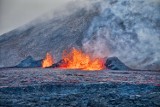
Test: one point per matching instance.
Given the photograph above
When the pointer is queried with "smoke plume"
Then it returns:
(127, 29)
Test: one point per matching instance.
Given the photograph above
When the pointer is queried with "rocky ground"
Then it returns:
(75, 88)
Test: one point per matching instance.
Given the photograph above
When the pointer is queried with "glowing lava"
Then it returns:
(76, 59)
(48, 61)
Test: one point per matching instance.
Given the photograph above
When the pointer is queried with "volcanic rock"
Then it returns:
(73, 88)
(29, 62)
(56, 65)
(114, 63)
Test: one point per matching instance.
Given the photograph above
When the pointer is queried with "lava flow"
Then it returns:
(48, 61)
(76, 59)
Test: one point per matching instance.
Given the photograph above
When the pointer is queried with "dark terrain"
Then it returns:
(39, 87)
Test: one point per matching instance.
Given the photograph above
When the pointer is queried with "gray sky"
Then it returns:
(15, 13)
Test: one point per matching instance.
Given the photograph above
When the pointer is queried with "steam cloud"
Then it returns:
(126, 29)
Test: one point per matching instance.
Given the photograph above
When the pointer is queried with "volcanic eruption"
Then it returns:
(97, 55)
(48, 61)
(75, 59)
(114, 26)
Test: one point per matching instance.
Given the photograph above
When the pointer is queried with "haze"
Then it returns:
(15, 13)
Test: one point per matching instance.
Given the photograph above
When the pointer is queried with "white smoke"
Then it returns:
(126, 29)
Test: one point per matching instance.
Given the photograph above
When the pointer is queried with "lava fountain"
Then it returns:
(76, 59)
(47, 61)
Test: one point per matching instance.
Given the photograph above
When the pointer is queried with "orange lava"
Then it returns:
(48, 61)
(76, 59)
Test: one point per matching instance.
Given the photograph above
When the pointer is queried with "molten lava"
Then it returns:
(48, 61)
(76, 59)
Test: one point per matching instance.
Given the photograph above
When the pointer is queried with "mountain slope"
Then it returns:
(54, 36)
